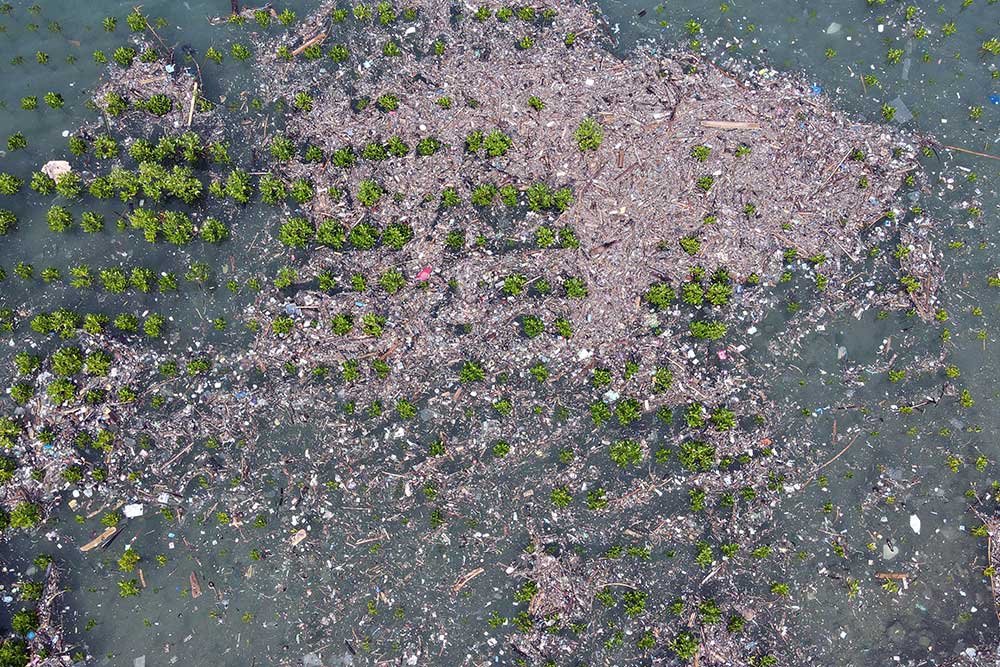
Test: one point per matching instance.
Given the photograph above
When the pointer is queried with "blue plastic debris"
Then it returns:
(816, 89)
(292, 309)
(31, 634)
(994, 99)
(242, 394)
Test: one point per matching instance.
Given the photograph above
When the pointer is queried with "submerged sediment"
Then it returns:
(517, 279)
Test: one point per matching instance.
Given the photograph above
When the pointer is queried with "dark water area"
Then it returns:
(900, 498)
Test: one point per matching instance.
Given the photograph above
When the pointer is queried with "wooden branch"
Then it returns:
(730, 124)
(97, 541)
(309, 42)
(194, 99)
(465, 579)
(970, 152)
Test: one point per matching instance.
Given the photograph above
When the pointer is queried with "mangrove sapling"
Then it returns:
(301, 191)
(374, 151)
(449, 197)
(272, 189)
(91, 222)
(397, 147)
(484, 194)
(69, 185)
(240, 52)
(7, 221)
(114, 280)
(692, 294)
(514, 284)
(42, 183)
(369, 193)
(124, 56)
(141, 279)
(177, 227)
(372, 324)
(428, 146)
(238, 187)
(26, 363)
(472, 372)
(16, 141)
(626, 453)
(690, 244)
(532, 326)
(297, 233)
(21, 393)
(707, 330)
(563, 327)
(314, 154)
(105, 147)
(628, 410)
(213, 231)
(59, 219)
(397, 235)
(54, 100)
(342, 323)
(344, 157)
(392, 280)
(497, 143)
(575, 288)
(282, 149)
(10, 184)
(589, 134)
(331, 233)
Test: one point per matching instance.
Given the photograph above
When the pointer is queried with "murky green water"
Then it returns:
(923, 463)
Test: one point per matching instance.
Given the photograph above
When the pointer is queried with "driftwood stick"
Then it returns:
(465, 579)
(730, 124)
(309, 42)
(970, 152)
(194, 98)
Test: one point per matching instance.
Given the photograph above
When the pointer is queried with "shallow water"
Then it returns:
(275, 614)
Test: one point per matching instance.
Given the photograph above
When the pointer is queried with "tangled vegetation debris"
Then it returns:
(515, 281)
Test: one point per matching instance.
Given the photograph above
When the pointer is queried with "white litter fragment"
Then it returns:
(915, 523)
(134, 510)
(56, 168)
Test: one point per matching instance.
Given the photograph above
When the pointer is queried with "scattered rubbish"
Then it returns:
(132, 511)
(56, 168)
(903, 114)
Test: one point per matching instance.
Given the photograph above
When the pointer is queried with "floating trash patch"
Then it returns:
(445, 334)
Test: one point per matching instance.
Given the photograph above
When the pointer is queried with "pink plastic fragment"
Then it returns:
(425, 273)
(722, 355)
